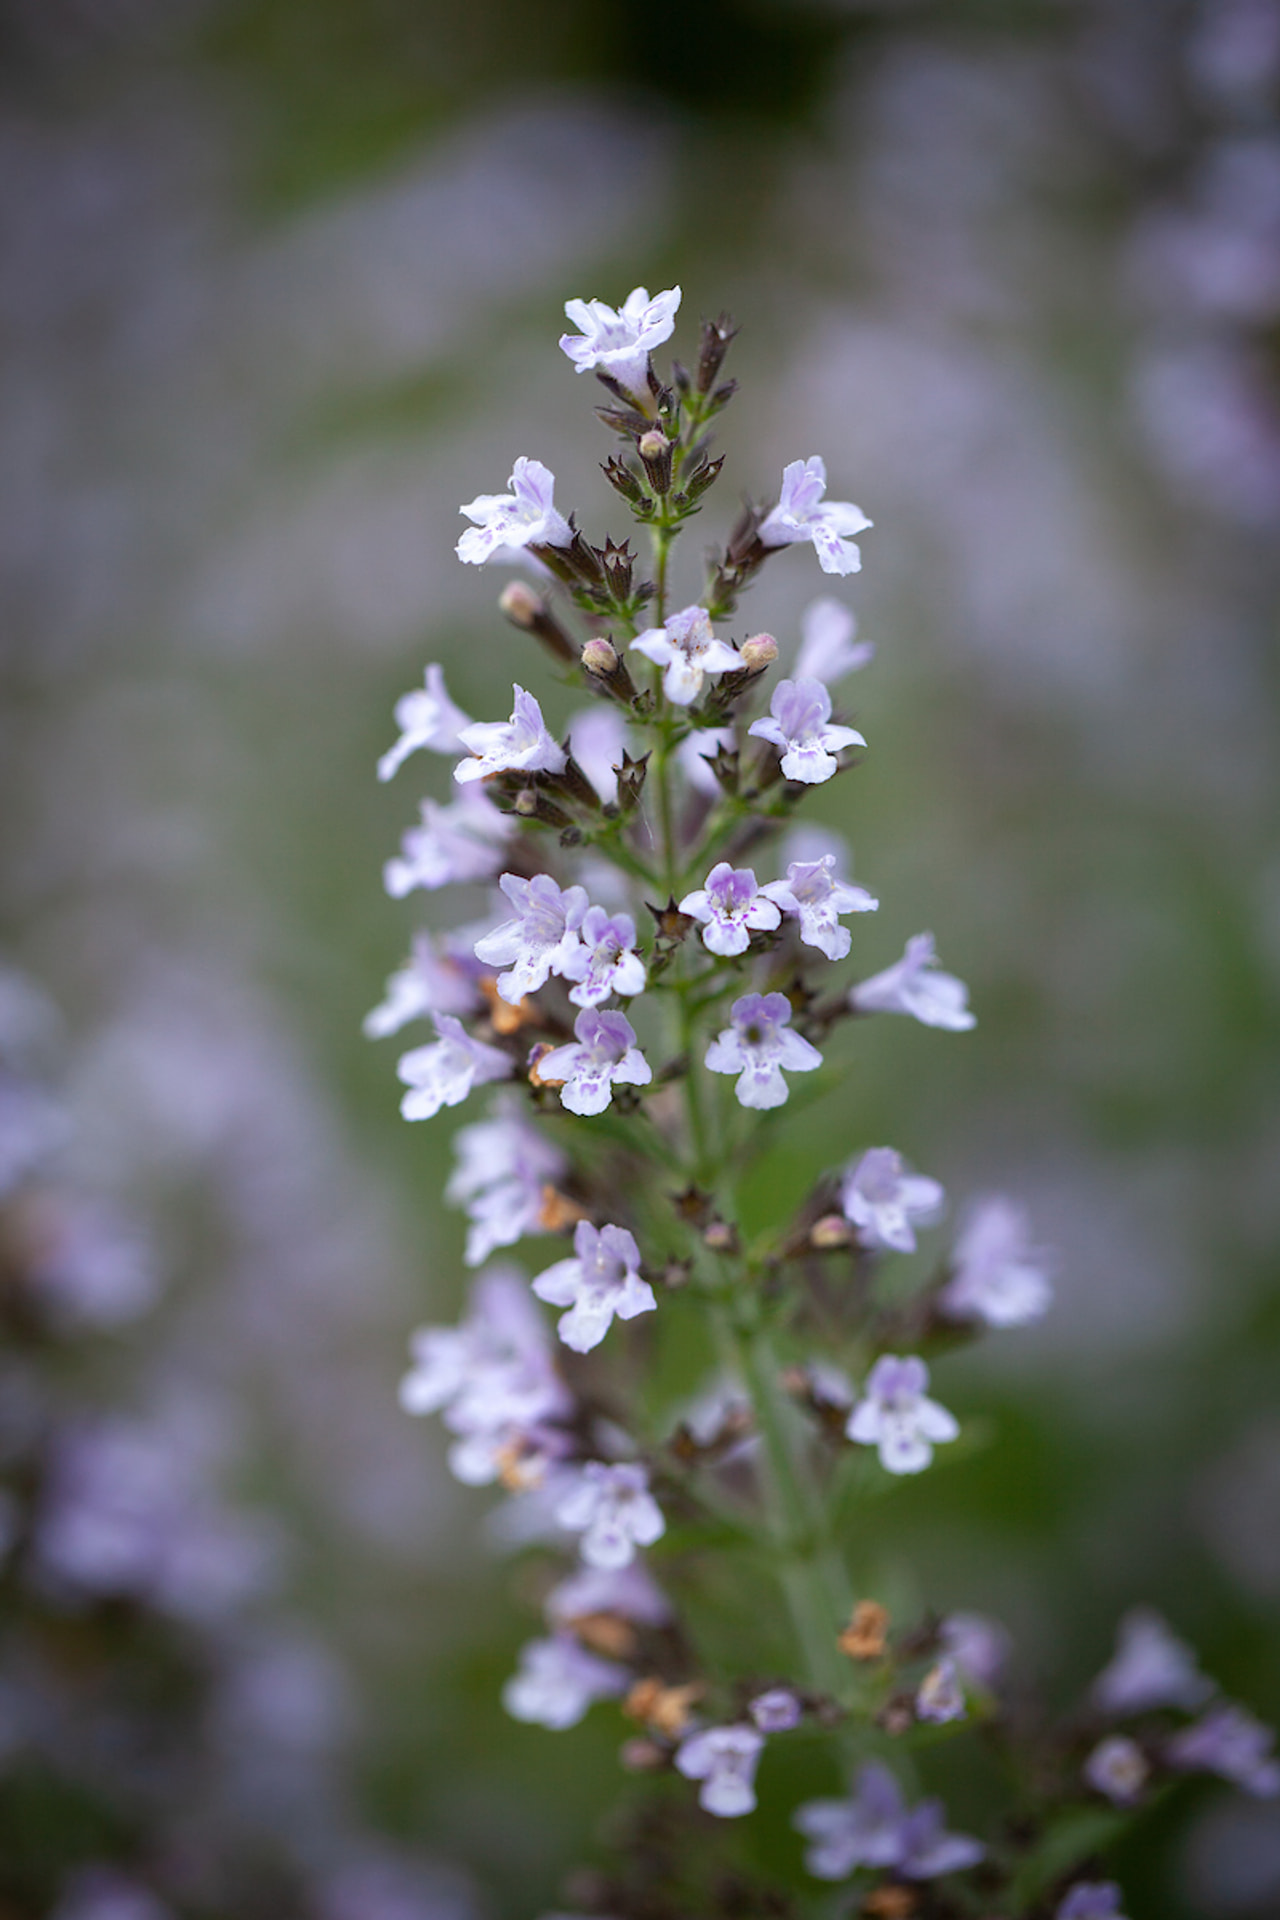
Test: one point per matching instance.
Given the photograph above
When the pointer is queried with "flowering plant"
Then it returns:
(656, 972)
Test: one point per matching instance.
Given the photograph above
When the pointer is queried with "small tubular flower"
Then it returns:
(605, 960)
(881, 1199)
(913, 985)
(896, 1416)
(827, 647)
(730, 908)
(503, 1166)
(603, 1054)
(462, 842)
(538, 940)
(724, 1759)
(1091, 1900)
(598, 737)
(802, 514)
(557, 1680)
(614, 1511)
(618, 341)
(443, 1073)
(519, 745)
(431, 982)
(940, 1696)
(1117, 1769)
(812, 892)
(776, 1711)
(688, 650)
(799, 724)
(997, 1276)
(426, 717)
(631, 1592)
(758, 1046)
(601, 1280)
(1151, 1667)
(505, 523)
(1230, 1742)
(875, 1829)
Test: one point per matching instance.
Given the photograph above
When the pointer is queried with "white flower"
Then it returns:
(503, 1165)
(443, 1073)
(799, 724)
(813, 893)
(631, 1592)
(1117, 1768)
(605, 961)
(802, 515)
(540, 938)
(827, 650)
(598, 738)
(456, 843)
(519, 745)
(696, 752)
(602, 1279)
(757, 1046)
(426, 717)
(619, 341)
(776, 1711)
(603, 1054)
(432, 982)
(508, 522)
(612, 1508)
(1151, 1668)
(940, 1697)
(724, 1759)
(881, 1200)
(912, 986)
(897, 1418)
(996, 1274)
(689, 651)
(730, 907)
(557, 1680)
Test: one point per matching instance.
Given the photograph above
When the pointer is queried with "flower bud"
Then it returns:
(759, 652)
(654, 449)
(721, 1237)
(600, 656)
(521, 604)
(526, 803)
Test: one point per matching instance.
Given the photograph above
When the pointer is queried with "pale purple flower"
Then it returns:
(696, 752)
(601, 1280)
(618, 341)
(519, 745)
(874, 1829)
(940, 1696)
(603, 1054)
(443, 1073)
(539, 939)
(776, 1711)
(802, 514)
(606, 960)
(881, 1199)
(896, 1416)
(631, 1592)
(827, 649)
(434, 980)
(799, 724)
(1151, 1667)
(503, 1164)
(426, 717)
(557, 1680)
(461, 842)
(505, 523)
(87, 1263)
(614, 1511)
(492, 1377)
(758, 1046)
(1091, 1900)
(598, 738)
(913, 985)
(724, 1759)
(689, 651)
(1117, 1769)
(1230, 1742)
(813, 893)
(978, 1645)
(102, 1893)
(996, 1274)
(731, 907)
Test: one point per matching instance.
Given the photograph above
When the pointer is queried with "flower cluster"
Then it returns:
(652, 977)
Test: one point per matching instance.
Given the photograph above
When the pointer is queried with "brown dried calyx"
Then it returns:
(667, 1709)
(867, 1632)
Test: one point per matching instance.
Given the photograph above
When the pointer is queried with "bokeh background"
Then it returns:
(280, 284)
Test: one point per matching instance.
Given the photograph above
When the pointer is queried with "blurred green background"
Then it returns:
(280, 285)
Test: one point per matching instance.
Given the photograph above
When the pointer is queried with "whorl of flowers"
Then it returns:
(658, 978)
